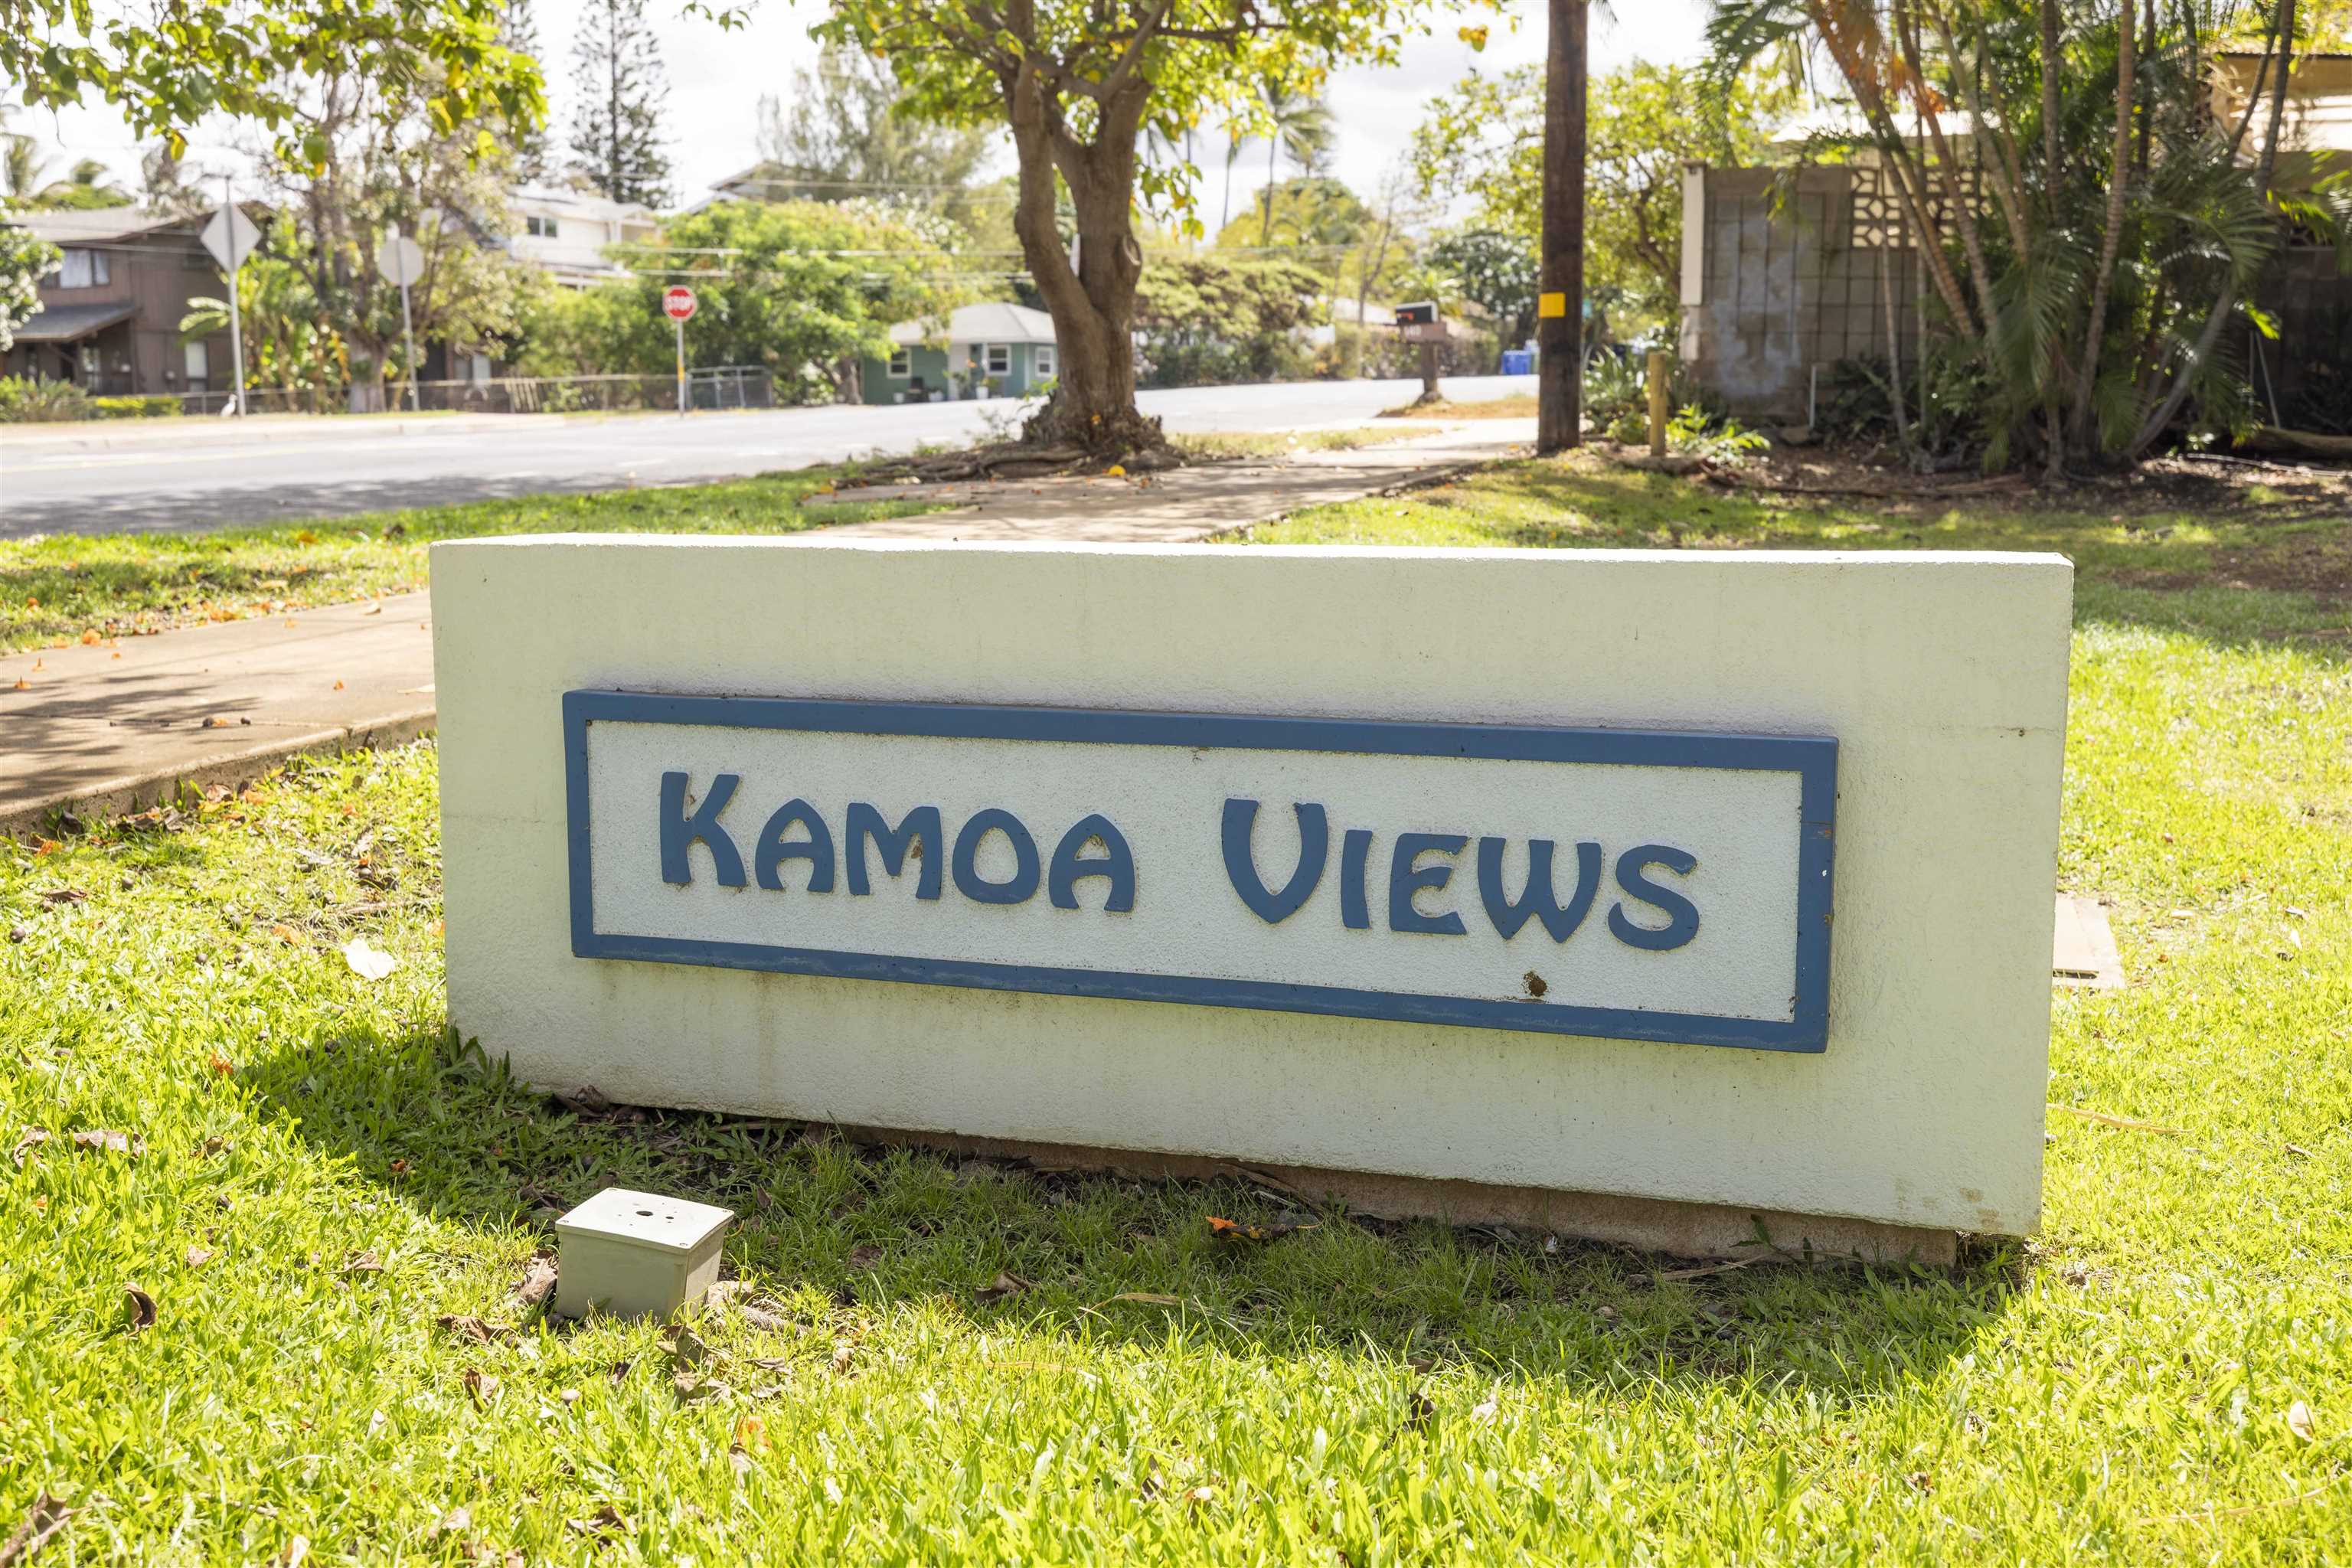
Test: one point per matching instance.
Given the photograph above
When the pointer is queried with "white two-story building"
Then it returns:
(567, 234)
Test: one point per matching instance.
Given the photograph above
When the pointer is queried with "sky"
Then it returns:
(717, 78)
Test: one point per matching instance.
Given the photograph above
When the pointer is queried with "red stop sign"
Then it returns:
(678, 302)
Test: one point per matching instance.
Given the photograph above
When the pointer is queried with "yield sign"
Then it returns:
(231, 237)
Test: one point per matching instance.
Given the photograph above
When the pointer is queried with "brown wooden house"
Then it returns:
(110, 316)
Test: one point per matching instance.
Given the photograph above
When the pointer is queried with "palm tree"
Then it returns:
(21, 168)
(1299, 122)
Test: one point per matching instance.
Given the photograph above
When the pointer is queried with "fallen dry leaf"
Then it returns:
(362, 1263)
(141, 1307)
(863, 1257)
(692, 1386)
(684, 1346)
(296, 1552)
(43, 1520)
(65, 896)
(1145, 1298)
(607, 1519)
(1704, 1270)
(477, 1330)
(2299, 1422)
(460, 1518)
(483, 1388)
(2129, 1124)
(1006, 1283)
(109, 1140)
(366, 961)
(538, 1280)
(33, 1137)
(842, 1352)
(198, 1257)
(1225, 1229)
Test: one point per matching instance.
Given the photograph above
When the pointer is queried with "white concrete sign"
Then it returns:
(1718, 879)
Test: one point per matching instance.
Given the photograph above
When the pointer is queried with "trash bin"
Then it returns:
(1518, 361)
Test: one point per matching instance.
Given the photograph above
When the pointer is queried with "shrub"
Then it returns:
(24, 400)
(157, 407)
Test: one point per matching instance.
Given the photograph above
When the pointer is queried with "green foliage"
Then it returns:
(2101, 280)
(1199, 60)
(1693, 432)
(1494, 271)
(848, 135)
(1209, 318)
(26, 400)
(288, 345)
(260, 59)
(155, 406)
(30, 399)
(617, 92)
(802, 288)
(1079, 83)
(85, 188)
(379, 166)
(24, 262)
(1311, 212)
(1483, 143)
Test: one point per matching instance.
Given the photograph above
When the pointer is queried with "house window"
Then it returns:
(82, 268)
(198, 358)
(539, 228)
(997, 359)
(1043, 357)
(902, 364)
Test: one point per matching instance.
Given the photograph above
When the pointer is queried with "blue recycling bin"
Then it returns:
(1518, 361)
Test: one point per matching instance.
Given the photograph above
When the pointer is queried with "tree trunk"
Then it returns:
(2101, 282)
(2161, 418)
(1559, 413)
(1265, 228)
(1093, 305)
(2051, 51)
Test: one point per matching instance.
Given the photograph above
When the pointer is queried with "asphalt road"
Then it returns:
(191, 477)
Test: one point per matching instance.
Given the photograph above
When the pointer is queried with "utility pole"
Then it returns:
(1559, 304)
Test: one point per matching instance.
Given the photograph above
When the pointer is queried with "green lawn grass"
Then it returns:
(56, 588)
(314, 1176)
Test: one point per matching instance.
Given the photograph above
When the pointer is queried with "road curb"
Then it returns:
(122, 796)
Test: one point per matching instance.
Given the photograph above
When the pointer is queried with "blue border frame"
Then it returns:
(1813, 758)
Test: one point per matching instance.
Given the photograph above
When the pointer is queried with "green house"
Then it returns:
(995, 349)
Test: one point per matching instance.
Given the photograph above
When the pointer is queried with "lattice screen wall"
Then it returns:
(1796, 280)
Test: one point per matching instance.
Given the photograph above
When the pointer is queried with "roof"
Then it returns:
(98, 224)
(71, 323)
(995, 322)
(588, 204)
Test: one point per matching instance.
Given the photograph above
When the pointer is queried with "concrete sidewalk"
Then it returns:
(1182, 505)
(106, 730)
(113, 727)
